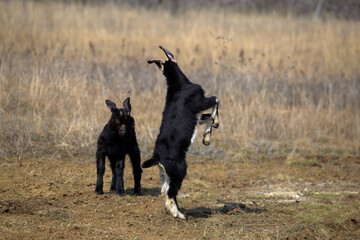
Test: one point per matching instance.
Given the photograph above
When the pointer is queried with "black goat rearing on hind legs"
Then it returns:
(184, 103)
(116, 141)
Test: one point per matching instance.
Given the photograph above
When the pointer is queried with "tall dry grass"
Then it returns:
(283, 82)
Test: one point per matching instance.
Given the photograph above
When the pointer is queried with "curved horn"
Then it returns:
(169, 54)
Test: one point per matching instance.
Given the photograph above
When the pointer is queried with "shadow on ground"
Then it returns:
(227, 208)
(154, 191)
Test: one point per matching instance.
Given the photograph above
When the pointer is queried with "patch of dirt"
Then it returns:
(52, 199)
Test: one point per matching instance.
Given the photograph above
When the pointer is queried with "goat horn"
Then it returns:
(169, 54)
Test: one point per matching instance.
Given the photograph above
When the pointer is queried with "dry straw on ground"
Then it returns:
(282, 81)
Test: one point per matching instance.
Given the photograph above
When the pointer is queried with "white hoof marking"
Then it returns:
(172, 208)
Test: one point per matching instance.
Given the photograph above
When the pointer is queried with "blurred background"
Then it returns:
(287, 73)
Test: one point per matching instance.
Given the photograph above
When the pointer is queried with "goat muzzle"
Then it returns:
(122, 130)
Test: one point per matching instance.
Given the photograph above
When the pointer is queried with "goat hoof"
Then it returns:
(137, 193)
(113, 188)
(182, 216)
(121, 192)
(206, 143)
(215, 125)
(99, 192)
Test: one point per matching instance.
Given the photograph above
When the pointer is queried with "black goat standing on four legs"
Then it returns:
(184, 103)
(116, 141)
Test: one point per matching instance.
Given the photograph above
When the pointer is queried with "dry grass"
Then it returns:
(289, 89)
(283, 83)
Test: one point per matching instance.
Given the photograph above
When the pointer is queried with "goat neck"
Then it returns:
(175, 78)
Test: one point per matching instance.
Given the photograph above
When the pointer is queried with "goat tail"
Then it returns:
(150, 162)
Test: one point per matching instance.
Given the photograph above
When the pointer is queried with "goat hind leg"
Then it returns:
(171, 202)
(164, 179)
(135, 161)
(172, 206)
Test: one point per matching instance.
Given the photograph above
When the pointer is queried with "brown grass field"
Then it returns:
(284, 163)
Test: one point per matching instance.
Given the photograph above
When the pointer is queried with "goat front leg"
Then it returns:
(211, 120)
(215, 114)
(100, 168)
(114, 177)
(211, 102)
(206, 119)
(119, 170)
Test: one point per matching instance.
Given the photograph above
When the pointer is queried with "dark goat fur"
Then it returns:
(184, 101)
(116, 141)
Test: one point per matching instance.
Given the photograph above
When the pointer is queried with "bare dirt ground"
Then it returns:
(315, 198)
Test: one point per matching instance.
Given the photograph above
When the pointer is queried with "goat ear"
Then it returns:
(111, 105)
(169, 54)
(158, 63)
(127, 105)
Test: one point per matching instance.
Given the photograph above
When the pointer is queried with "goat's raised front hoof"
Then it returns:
(215, 125)
(206, 142)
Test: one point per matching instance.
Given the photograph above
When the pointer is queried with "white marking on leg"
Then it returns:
(165, 180)
(198, 116)
(215, 114)
(207, 132)
(171, 206)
